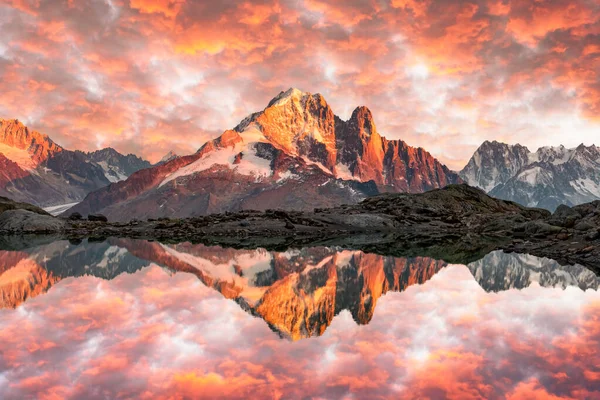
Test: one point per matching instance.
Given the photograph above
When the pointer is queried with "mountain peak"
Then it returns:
(284, 97)
(362, 112)
(168, 157)
(362, 118)
(26, 147)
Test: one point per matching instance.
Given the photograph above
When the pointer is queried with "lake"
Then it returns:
(135, 319)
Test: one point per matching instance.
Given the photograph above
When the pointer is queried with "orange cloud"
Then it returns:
(170, 8)
(136, 74)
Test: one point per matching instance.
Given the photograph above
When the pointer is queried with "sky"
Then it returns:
(149, 76)
(156, 335)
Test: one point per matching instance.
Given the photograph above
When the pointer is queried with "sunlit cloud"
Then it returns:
(179, 72)
(153, 334)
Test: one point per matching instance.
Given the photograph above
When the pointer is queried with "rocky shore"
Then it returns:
(458, 224)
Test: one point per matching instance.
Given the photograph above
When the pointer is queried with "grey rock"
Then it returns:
(541, 227)
(564, 211)
(25, 221)
(584, 226)
(593, 235)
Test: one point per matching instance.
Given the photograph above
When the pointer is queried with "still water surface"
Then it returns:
(136, 319)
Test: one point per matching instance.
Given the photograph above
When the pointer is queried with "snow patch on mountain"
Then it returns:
(285, 97)
(241, 158)
(554, 155)
(287, 175)
(57, 210)
(323, 168)
(343, 172)
(168, 157)
(111, 173)
(586, 186)
(533, 176)
(19, 156)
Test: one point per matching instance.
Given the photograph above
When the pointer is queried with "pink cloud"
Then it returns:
(153, 334)
(145, 75)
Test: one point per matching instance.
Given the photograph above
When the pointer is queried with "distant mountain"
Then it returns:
(295, 154)
(547, 178)
(167, 157)
(36, 170)
(116, 166)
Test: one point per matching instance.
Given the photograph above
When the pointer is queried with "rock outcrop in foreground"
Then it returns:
(458, 224)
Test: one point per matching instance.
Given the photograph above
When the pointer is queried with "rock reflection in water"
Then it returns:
(146, 330)
(297, 292)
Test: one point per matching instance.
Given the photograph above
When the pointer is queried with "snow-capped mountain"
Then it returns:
(171, 155)
(36, 170)
(494, 163)
(117, 167)
(546, 178)
(295, 154)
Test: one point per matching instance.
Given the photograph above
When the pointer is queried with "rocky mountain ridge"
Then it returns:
(547, 178)
(36, 170)
(295, 154)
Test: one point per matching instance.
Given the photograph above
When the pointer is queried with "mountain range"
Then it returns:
(546, 178)
(36, 170)
(295, 154)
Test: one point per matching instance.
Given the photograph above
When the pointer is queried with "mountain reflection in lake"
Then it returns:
(136, 319)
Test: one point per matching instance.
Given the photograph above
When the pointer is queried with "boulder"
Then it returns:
(564, 211)
(541, 228)
(75, 217)
(97, 218)
(25, 221)
(565, 216)
(584, 226)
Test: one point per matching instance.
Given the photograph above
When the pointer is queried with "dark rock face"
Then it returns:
(547, 178)
(295, 155)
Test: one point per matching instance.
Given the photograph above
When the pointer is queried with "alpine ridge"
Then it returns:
(546, 178)
(36, 170)
(295, 154)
